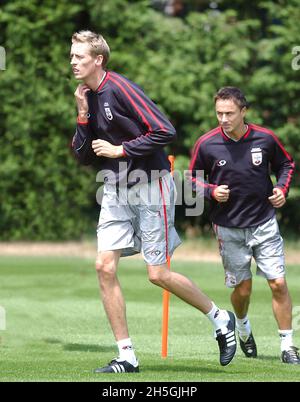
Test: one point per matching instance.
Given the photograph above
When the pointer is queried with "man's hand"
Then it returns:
(105, 148)
(81, 100)
(221, 193)
(278, 198)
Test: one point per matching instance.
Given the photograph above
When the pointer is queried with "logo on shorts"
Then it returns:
(221, 163)
(230, 279)
(256, 156)
(108, 112)
(279, 269)
(155, 252)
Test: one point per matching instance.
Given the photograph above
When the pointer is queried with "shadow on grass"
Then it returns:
(274, 359)
(52, 341)
(78, 347)
(195, 369)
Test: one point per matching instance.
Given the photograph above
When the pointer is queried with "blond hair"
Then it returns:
(97, 44)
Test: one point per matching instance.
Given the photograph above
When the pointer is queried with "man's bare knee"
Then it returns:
(244, 289)
(106, 267)
(278, 286)
(157, 275)
(155, 278)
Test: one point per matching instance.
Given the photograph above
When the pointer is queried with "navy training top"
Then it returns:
(245, 166)
(121, 113)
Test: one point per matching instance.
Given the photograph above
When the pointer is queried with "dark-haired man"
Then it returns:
(236, 158)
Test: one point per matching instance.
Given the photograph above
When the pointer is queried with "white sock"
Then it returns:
(244, 328)
(219, 318)
(126, 351)
(286, 336)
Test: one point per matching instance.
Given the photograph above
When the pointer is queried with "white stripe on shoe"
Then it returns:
(230, 339)
(114, 367)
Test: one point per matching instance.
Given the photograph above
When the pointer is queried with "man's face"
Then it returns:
(83, 64)
(229, 115)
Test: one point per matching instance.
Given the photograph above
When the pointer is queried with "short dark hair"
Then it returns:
(234, 94)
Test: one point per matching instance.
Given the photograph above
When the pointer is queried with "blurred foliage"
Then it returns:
(180, 63)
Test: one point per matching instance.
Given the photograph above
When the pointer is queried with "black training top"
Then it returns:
(121, 113)
(244, 166)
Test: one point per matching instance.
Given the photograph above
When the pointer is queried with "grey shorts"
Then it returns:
(238, 246)
(140, 219)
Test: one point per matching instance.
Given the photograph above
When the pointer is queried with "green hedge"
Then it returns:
(179, 62)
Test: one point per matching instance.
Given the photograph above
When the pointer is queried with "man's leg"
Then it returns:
(180, 286)
(269, 256)
(115, 308)
(282, 308)
(185, 289)
(111, 293)
(281, 303)
(240, 299)
(236, 256)
(159, 239)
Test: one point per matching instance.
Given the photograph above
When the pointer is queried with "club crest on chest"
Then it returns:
(108, 112)
(256, 156)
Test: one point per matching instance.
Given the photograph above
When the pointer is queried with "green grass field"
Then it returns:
(57, 330)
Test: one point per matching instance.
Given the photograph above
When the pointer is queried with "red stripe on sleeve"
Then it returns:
(141, 114)
(289, 179)
(199, 142)
(133, 91)
(266, 131)
(287, 155)
(203, 184)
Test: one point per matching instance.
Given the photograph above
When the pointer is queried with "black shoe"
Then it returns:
(249, 347)
(227, 342)
(116, 366)
(291, 356)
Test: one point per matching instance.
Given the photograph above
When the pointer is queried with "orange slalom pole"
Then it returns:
(166, 295)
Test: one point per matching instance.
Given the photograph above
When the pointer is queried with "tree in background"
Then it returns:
(179, 61)
(44, 193)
